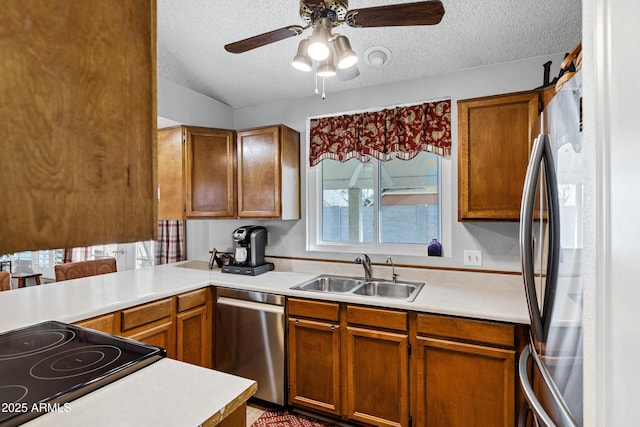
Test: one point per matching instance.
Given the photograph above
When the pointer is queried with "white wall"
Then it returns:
(181, 105)
(498, 241)
(612, 294)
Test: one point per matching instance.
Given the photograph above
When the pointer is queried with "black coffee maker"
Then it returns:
(250, 242)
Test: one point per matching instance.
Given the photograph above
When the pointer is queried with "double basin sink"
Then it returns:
(405, 291)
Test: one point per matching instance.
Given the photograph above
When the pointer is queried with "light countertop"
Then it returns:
(169, 392)
(474, 295)
(165, 393)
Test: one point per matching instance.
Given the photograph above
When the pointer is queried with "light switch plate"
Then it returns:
(473, 257)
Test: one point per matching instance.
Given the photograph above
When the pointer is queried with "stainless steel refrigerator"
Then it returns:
(551, 237)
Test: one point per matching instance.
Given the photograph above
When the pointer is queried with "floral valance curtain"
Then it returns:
(403, 131)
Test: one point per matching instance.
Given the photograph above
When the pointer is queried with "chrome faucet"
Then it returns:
(393, 269)
(366, 264)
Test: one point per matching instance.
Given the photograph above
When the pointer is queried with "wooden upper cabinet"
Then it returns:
(171, 176)
(269, 173)
(79, 123)
(494, 143)
(210, 169)
(196, 173)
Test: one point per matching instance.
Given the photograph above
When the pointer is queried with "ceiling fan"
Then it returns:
(322, 46)
(337, 11)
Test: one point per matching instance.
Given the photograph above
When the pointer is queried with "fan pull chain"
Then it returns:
(316, 92)
(323, 94)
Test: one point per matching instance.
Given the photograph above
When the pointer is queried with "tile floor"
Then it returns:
(253, 413)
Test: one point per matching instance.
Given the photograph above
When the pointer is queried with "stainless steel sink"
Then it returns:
(399, 290)
(330, 284)
(407, 291)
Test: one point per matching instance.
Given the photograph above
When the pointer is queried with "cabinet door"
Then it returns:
(259, 173)
(171, 183)
(494, 136)
(377, 373)
(463, 385)
(160, 334)
(210, 171)
(314, 365)
(79, 123)
(193, 339)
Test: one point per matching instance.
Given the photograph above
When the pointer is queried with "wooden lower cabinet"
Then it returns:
(377, 377)
(349, 361)
(182, 325)
(383, 367)
(161, 334)
(194, 338)
(464, 372)
(104, 323)
(314, 365)
(464, 384)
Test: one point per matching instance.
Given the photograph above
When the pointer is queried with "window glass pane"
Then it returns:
(144, 253)
(409, 211)
(347, 201)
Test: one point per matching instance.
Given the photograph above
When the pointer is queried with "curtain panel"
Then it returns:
(170, 246)
(403, 131)
(76, 254)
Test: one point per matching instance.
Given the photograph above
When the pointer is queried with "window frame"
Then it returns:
(314, 242)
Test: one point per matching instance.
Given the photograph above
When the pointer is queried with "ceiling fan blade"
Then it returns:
(264, 39)
(396, 15)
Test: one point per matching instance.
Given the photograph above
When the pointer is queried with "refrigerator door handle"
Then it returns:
(540, 154)
(553, 255)
(540, 415)
(527, 208)
(560, 405)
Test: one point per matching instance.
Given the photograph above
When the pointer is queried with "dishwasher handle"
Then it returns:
(251, 305)
(256, 296)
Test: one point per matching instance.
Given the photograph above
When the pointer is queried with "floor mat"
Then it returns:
(283, 418)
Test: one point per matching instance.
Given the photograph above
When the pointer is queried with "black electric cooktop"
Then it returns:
(45, 366)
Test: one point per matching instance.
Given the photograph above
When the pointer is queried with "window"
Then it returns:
(129, 256)
(374, 180)
(392, 207)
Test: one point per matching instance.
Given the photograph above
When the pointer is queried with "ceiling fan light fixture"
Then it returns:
(327, 68)
(346, 56)
(302, 61)
(318, 49)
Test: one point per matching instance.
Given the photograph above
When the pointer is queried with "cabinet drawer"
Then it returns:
(377, 318)
(314, 309)
(467, 330)
(192, 299)
(147, 313)
(104, 323)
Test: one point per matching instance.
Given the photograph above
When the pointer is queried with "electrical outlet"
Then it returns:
(473, 257)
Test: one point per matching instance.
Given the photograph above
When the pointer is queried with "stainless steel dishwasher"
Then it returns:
(250, 334)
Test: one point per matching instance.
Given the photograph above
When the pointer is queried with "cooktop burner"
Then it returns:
(49, 364)
(14, 346)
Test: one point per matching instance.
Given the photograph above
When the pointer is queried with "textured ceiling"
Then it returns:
(472, 33)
